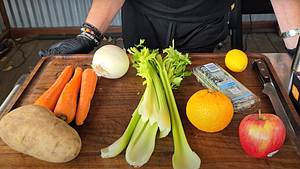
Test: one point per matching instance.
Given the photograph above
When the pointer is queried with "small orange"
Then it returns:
(236, 60)
(209, 110)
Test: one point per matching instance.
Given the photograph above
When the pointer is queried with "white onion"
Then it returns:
(110, 61)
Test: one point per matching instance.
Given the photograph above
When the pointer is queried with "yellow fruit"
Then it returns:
(209, 111)
(236, 60)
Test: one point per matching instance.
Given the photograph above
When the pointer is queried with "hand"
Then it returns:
(78, 45)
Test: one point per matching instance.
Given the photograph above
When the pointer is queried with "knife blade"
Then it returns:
(264, 76)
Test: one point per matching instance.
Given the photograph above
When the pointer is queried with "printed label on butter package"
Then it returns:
(212, 76)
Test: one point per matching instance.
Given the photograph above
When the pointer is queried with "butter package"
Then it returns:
(214, 77)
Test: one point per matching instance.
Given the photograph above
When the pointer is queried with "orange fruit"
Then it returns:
(209, 110)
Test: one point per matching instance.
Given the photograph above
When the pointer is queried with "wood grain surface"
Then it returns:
(114, 102)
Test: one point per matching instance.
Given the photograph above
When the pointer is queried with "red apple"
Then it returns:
(261, 135)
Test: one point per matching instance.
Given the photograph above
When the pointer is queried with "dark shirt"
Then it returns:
(184, 10)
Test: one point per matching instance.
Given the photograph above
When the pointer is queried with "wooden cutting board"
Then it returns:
(114, 102)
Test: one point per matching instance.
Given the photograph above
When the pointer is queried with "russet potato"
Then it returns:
(36, 131)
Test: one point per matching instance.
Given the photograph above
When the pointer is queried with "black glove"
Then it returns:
(82, 44)
(78, 45)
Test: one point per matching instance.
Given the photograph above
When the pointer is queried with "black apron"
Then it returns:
(195, 25)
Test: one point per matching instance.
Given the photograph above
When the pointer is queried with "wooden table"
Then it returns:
(115, 101)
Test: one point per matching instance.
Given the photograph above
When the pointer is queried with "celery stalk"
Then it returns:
(183, 157)
(118, 146)
(141, 145)
(163, 120)
(146, 107)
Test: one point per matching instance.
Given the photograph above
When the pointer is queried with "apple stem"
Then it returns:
(259, 114)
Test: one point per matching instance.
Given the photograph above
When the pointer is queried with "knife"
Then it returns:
(264, 76)
(295, 67)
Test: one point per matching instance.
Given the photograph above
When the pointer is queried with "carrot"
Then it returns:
(87, 90)
(65, 108)
(50, 97)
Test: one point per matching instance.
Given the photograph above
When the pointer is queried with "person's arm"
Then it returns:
(100, 16)
(288, 17)
(103, 12)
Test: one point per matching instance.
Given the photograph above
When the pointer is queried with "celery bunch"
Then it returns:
(157, 109)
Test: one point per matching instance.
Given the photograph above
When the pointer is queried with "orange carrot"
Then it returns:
(65, 108)
(87, 90)
(50, 97)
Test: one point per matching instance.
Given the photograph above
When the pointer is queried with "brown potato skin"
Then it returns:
(34, 130)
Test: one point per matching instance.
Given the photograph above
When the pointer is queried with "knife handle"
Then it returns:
(262, 71)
